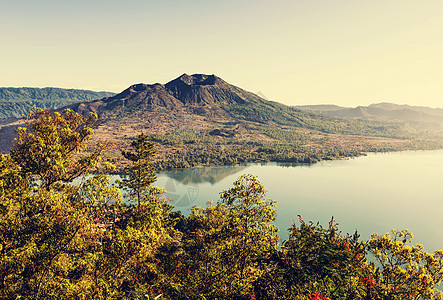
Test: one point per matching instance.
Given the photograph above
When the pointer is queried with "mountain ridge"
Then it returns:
(16, 102)
(423, 117)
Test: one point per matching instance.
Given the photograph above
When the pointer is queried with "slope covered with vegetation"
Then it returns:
(90, 241)
(199, 119)
(202, 120)
(196, 101)
(17, 102)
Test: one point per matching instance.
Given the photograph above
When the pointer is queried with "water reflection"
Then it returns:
(375, 193)
(293, 165)
(203, 174)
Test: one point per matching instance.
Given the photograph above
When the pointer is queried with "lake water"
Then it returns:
(375, 193)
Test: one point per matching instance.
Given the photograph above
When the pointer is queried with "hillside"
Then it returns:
(203, 120)
(424, 109)
(16, 102)
(419, 117)
(192, 100)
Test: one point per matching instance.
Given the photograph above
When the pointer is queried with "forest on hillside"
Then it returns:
(17, 102)
(199, 147)
(97, 240)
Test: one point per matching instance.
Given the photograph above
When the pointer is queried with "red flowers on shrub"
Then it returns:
(368, 281)
(317, 296)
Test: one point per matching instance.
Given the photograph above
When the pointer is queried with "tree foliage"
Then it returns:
(406, 272)
(49, 149)
(87, 241)
(43, 229)
(225, 247)
(141, 174)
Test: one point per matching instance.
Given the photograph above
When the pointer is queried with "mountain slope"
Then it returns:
(16, 102)
(201, 119)
(201, 100)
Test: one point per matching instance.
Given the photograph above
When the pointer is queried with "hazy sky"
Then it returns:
(353, 52)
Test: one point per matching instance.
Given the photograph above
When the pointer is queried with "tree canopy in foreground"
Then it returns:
(89, 241)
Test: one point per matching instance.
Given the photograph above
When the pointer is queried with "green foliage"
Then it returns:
(126, 265)
(39, 233)
(141, 172)
(17, 102)
(191, 148)
(49, 149)
(224, 248)
(44, 230)
(318, 261)
(73, 241)
(255, 213)
(12, 182)
(406, 272)
(265, 112)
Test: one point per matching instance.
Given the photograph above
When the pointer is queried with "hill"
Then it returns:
(420, 117)
(424, 109)
(16, 102)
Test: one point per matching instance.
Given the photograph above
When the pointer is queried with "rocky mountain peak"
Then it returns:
(201, 89)
(194, 80)
(199, 94)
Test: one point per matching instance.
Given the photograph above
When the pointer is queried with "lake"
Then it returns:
(374, 193)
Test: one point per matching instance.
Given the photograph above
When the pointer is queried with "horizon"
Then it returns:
(295, 53)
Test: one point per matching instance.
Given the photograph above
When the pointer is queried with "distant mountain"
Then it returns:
(16, 102)
(425, 118)
(202, 100)
(424, 109)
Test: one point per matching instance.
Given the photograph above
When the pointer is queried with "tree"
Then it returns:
(141, 172)
(49, 150)
(126, 266)
(225, 247)
(406, 272)
(318, 263)
(46, 230)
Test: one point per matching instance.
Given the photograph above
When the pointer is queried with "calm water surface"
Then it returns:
(375, 193)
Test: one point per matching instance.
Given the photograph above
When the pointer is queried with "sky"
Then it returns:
(295, 52)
